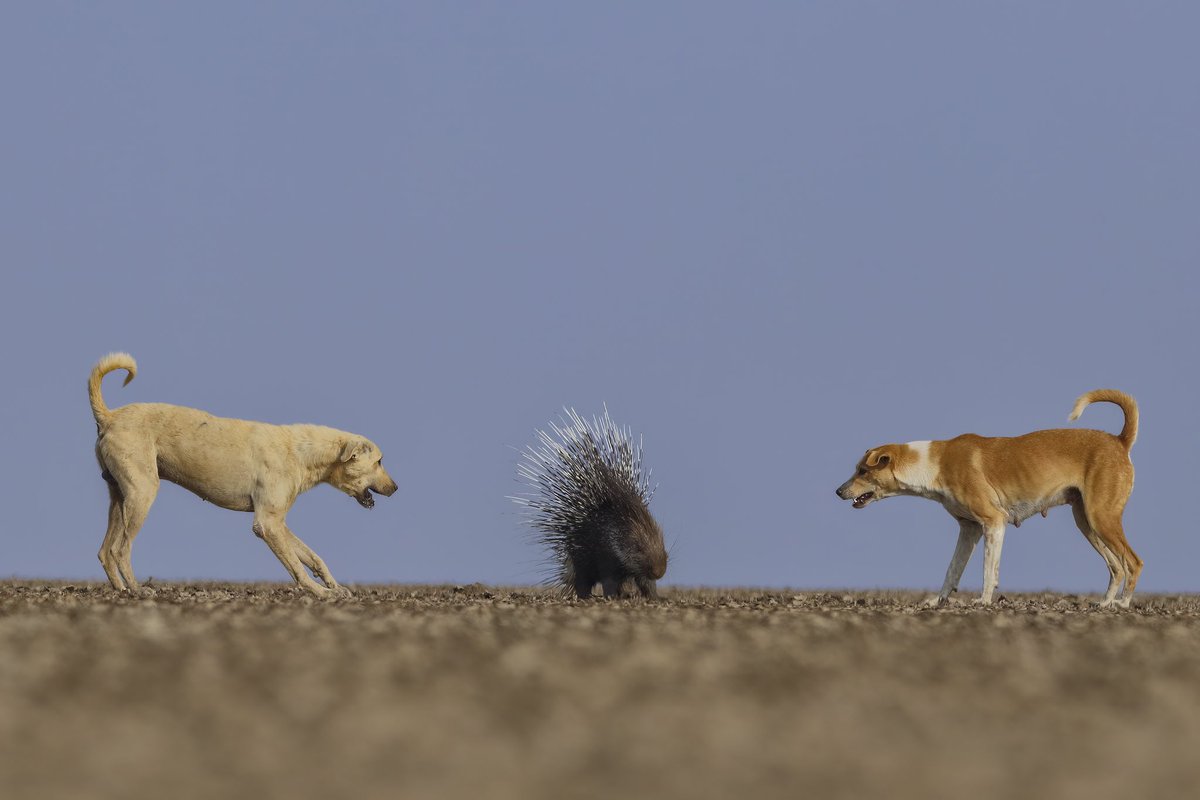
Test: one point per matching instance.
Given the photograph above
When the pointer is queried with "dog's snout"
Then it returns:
(838, 491)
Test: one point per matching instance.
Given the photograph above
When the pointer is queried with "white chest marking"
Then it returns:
(920, 473)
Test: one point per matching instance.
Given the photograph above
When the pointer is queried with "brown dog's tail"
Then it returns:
(104, 366)
(1128, 434)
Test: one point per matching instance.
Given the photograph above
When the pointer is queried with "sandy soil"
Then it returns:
(236, 690)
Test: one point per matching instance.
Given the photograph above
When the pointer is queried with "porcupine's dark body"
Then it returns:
(590, 508)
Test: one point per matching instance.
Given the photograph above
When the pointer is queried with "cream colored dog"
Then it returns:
(986, 483)
(235, 464)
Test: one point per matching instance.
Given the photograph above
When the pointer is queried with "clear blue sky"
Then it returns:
(767, 235)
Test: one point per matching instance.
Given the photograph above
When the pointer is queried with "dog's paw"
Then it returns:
(1113, 605)
(138, 592)
(334, 592)
(936, 601)
(982, 602)
(318, 591)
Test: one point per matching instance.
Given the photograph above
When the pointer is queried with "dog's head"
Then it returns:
(874, 477)
(359, 472)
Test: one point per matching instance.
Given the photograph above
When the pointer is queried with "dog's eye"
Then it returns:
(861, 471)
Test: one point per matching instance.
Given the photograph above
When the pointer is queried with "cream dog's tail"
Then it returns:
(1128, 434)
(104, 366)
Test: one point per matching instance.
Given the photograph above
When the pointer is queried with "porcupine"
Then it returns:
(590, 507)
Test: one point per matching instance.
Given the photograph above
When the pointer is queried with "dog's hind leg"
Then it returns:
(969, 533)
(109, 552)
(272, 529)
(135, 505)
(1110, 530)
(134, 480)
(1104, 500)
(1116, 571)
(1134, 572)
(314, 563)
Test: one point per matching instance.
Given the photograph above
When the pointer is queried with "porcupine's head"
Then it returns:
(589, 504)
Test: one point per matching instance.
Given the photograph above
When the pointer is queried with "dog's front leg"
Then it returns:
(993, 541)
(968, 536)
(310, 559)
(272, 529)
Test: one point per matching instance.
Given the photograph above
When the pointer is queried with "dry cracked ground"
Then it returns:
(255, 691)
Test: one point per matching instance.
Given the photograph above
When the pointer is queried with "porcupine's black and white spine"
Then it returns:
(589, 506)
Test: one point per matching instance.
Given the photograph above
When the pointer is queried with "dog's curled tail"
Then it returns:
(110, 362)
(1128, 434)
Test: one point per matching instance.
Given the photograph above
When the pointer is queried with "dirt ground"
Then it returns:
(253, 690)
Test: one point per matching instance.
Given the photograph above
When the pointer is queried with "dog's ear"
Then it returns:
(350, 450)
(877, 458)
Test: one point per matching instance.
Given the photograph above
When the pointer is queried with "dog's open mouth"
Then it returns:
(365, 499)
(863, 499)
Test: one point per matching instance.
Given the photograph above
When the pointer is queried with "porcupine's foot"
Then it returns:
(647, 588)
(583, 589)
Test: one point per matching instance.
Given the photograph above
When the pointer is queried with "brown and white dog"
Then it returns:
(987, 482)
